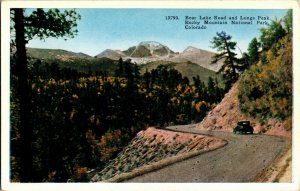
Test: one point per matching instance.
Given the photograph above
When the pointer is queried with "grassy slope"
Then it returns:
(187, 69)
(54, 53)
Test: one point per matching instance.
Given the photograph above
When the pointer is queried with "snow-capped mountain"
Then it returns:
(150, 51)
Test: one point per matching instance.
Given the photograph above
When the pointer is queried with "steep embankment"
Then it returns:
(153, 149)
(225, 116)
(227, 113)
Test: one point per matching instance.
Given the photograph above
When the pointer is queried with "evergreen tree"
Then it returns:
(120, 70)
(211, 90)
(253, 51)
(128, 70)
(288, 22)
(147, 79)
(222, 42)
(243, 62)
(271, 34)
(38, 24)
(136, 72)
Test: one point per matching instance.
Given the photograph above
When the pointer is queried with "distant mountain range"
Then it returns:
(50, 54)
(150, 51)
(148, 55)
(78, 61)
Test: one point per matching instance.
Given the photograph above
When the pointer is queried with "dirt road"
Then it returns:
(244, 157)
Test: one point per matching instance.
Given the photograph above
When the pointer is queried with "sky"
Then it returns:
(119, 29)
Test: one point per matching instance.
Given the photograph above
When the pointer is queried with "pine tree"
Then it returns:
(271, 34)
(288, 22)
(211, 90)
(253, 51)
(222, 42)
(147, 79)
(39, 24)
(120, 70)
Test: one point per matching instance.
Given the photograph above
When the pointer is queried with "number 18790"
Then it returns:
(172, 18)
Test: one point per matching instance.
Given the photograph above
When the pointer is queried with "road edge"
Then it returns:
(161, 164)
(279, 164)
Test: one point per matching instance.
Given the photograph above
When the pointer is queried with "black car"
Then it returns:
(243, 127)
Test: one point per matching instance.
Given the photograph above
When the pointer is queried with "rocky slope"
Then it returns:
(155, 148)
(227, 113)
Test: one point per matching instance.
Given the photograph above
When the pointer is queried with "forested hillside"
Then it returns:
(95, 116)
(187, 69)
(266, 89)
(264, 92)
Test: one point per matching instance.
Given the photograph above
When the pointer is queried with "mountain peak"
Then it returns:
(154, 43)
(151, 45)
(111, 54)
(150, 49)
(191, 49)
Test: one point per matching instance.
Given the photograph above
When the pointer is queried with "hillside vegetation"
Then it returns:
(264, 92)
(266, 89)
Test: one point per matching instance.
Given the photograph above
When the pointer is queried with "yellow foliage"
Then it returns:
(266, 89)
(107, 144)
(193, 104)
(199, 104)
(179, 87)
(187, 89)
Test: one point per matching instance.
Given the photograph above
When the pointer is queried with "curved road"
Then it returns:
(241, 160)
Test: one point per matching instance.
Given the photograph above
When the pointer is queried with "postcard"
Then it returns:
(128, 94)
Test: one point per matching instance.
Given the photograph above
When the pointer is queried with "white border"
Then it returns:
(5, 93)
